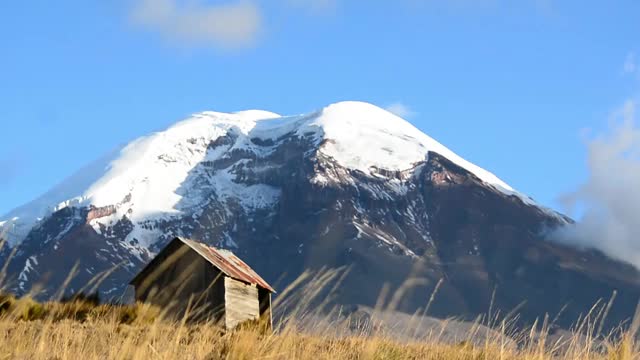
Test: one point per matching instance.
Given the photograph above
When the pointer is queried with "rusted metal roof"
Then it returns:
(228, 263)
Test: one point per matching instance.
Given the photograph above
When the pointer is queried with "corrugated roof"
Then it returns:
(228, 263)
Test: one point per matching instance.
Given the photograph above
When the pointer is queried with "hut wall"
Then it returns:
(184, 280)
(241, 302)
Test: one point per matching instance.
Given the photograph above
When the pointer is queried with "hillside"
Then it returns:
(350, 186)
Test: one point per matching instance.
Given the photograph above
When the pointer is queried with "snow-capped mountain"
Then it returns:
(141, 180)
(349, 185)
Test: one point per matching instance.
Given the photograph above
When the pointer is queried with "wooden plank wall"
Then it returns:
(187, 280)
(241, 302)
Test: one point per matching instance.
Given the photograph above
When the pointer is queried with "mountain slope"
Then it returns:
(351, 185)
(358, 136)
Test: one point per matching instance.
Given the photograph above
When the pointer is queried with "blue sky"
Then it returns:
(510, 85)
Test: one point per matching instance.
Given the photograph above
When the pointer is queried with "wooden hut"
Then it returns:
(189, 277)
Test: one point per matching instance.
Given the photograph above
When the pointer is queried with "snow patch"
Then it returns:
(250, 197)
(23, 277)
(386, 238)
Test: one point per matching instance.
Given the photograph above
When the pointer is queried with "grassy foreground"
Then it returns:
(83, 330)
(102, 340)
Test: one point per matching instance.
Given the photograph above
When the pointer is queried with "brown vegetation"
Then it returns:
(80, 328)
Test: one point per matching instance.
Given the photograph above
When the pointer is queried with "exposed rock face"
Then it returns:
(297, 208)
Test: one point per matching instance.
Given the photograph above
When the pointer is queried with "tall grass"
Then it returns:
(306, 327)
(81, 329)
(102, 334)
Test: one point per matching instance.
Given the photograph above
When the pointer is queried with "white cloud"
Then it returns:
(630, 66)
(401, 110)
(230, 25)
(610, 197)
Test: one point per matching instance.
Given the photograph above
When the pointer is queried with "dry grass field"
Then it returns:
(83, 330)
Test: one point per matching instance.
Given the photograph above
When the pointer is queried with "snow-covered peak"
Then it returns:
(257, 114)
(148, 177)
(365, 136)
(146, 172)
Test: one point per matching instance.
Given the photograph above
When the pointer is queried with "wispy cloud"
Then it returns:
(401, 110)
(231, 25)
(630, 65)
(610, 199)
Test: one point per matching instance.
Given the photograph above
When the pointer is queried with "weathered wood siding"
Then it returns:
(241, 302)
(183, 281)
